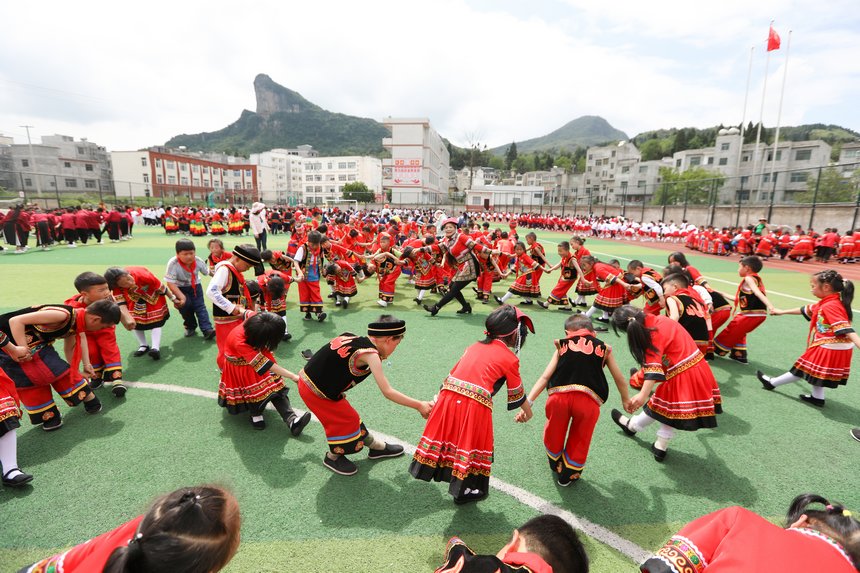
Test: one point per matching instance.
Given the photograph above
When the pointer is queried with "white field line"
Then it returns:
(593, 530)
(714, 279)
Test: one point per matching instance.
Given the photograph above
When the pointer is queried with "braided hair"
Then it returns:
(843, 287)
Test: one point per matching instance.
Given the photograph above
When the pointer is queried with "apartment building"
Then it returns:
(419, 166)
(325, 177)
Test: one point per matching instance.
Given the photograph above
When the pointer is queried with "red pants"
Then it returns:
(559, 293)
(567, 452)
(387, 284)
(654, 309)
(485, 285)
(104, 354)
(344, 430)
(222, 331)
(310, 299)
(734, 336)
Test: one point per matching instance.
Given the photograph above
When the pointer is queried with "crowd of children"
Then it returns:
(683, 324)
(73, 226)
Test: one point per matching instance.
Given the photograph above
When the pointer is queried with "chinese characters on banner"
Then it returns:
(407, 172)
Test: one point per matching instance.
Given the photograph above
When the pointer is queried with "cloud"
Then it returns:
(130, 76)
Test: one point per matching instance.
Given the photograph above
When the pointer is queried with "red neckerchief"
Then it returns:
(192, 270)
(238, 276)
(80, 326)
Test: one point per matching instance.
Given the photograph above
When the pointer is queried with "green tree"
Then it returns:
(510, 155)
(564, 162)
(651, 150)
(497, 162)
(834, 188)
(524, 163)
(358, 191)
(680, 143)
(693, 186)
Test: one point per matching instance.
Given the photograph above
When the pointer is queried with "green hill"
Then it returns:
(583, 131)
(285, 119)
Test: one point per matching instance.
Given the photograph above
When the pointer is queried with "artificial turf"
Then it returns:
(98, 471)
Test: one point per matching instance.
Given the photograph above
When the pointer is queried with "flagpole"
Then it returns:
(778, 117)
(744, 114)
(760, 119)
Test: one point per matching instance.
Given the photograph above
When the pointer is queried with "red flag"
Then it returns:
(772, 40)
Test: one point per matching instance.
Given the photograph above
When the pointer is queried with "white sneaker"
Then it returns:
(72, 245)
(382, 303)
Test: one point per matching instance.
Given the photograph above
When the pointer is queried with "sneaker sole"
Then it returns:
(383, 456)
(342, 473)
(52, 428)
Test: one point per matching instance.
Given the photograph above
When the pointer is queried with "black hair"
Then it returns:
(254, 290)
(679, 279)
(635, 264)
(266, 255)
(532, 235)
(107, 310)
(832, 521)
(276, 286)
(331, 269)
(679, 258)
(564, 245)
(322, 229)
(191, 530)
(315, 237)
(264, 331)
(502, 324)
(215, 241)
(753, 262)
(587, 259)
(185, 245)
(844, 287)
(429, 240)
(579, 240)
(113, 274)
(578, 322)
(353, 233)
(556, 542)
(631, 320)
(504, 234)
(88, 279)
(521, 245)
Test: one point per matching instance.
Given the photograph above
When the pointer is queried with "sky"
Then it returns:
(488, 72)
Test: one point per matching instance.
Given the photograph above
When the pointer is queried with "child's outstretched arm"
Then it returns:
(778, 312)
(539, 387)
(283, 372)
(618, 378)
(375, 364)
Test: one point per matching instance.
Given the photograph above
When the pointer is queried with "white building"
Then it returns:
(503, 197)
(418, 170)
(281, 175)
(325, 177)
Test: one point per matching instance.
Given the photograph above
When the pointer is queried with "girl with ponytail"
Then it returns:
(191, 530)
(687, 397)
(824, 538)
(827, 360)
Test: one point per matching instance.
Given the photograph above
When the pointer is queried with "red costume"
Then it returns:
(751, 313)
(145, 300)
(457, 443)
(611, 295)
(104, 353)
(247, 382)
(526, 285)
(565, 281)
(827, 360)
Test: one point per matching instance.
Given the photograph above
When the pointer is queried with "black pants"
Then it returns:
(454, 292)
(261, 241)
(43, 234)
(83, 235)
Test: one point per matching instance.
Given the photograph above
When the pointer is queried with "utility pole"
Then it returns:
(33, 162)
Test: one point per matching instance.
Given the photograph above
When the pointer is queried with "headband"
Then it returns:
(379, 329)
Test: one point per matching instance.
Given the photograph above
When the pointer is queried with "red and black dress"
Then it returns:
(752, 312)
(90, 556)
(586, 286)
(145, 300)
(568, 277)
(104, 353)
(10, 413)
(34, 378)
(722, 308)
(526, 285)
(576, 390)
(611, 294)
(827, 360)
(693, 316)
(323, 383)
(688, 397)
(457, 443)
(460, 559)
(387, 271)
(270, 304)
(344, 279)
(247, 382)
(538, 254)
(735, 539)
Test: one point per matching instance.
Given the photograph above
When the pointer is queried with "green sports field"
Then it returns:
(99, 471)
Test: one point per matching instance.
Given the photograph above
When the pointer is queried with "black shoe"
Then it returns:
(54, 423)
(94, 406)
(659, 454)
(321, 316)
(341, 465)
(809, 399)
(209, 335)
(765, 381)
(616, 417)
(17, 481)
(583, 305)
(498, 299)
(189, 332)
(543, 305)
(855, 433)
(308, 316)
(564, 482)
(345, 304)
(565, 308)
(389, 451)
(416, 300)
(337, 303)
(526, 302)
(96, 383)
(118, 390)
(286, 337)
(331, 295)
(601, 329)
(469, 498)
(465, 310)
(258, 425)
(140, 351)
(154, 353)
(477, 292)
(603, 320)
(298, 424)
(433, 310)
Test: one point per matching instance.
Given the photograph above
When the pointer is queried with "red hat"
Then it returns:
(449, 220)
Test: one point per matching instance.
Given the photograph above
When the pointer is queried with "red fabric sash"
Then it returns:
(79, 316)
(192, 270)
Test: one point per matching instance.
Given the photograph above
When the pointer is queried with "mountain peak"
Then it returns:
(583, 131)
(274, 98)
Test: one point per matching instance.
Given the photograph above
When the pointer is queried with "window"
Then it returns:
(157, 163)
(351, 165)
(350, 177)
(237, 173)
(195, 181)
(803, 155)
(143, 162)
(89, 184)
(309, 188)
(309, 177)
(766, 177)
(28, 182)
(778, 155)
(249, 185)
(695, 161)
(516, 201)
(613, 153)
(678, 163)
(330, 190)
(205, 182)
(625, 169)
(318, 188)
(237, 185)
(745, 179)
(67, 164)
(171, 179)
(643, 169)
(724, 160)
(71, 182)
(25, 163)
(538, 196)
(329, 177)
(710, 160)
(88, 167)
(341, 165)
(329, 164)
(146, 177)
(746, 157)
(159, 179)
(799, 177)
(81, 150)
(195, 168)
(170, 164)
(590, 157)
(641, 184)
(183, 167)
(725, 146)
(317, 177)
(341, 177)
(247, 173)
(588, 168)
(476, 200)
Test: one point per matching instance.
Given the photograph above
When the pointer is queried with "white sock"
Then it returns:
(421, 294)
(346, 299)
(786, 378)
(286, 326)
(507, 295)
(580, 300)
(9, 453)
(664, 434)
(156, 338)
(640, 421)
(590, 311)
(141, 337)
(605, 315)
(818, 392)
